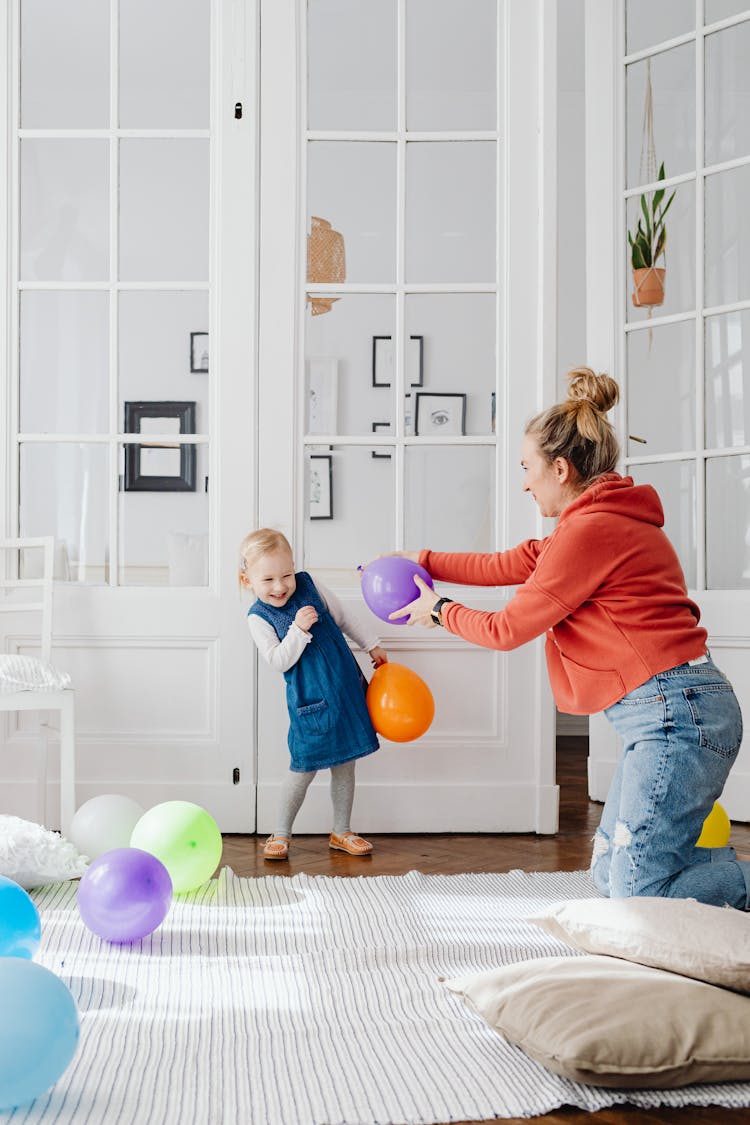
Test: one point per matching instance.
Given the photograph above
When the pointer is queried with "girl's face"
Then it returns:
(549, 483)
(271, 578)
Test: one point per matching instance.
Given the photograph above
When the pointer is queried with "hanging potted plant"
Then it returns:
(647, 246)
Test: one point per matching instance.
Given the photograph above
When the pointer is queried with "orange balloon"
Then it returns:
(400, 703)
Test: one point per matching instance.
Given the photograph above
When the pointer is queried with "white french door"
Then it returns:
(405, 316)
(130, 330)
(683, 364)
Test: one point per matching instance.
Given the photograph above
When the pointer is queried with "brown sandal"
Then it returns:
(276, 847)
(350, 842)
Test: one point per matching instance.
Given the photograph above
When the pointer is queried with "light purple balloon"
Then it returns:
(388, 584)
(124, 894)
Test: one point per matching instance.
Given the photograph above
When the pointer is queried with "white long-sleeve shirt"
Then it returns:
(281, 655)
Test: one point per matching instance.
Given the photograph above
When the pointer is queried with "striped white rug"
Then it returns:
(310, 1001)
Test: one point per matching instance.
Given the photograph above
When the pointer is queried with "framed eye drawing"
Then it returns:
(440, 415)
(164, 466)
(320, 483)
(383, 365)
(199, 353)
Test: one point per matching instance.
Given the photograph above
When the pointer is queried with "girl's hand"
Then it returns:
(305, 618)
(418, 611)
(378, 656)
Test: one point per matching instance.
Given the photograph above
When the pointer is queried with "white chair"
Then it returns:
(31, 599)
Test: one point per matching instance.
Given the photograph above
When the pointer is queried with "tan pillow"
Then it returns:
(710, 943)
(607, 1022)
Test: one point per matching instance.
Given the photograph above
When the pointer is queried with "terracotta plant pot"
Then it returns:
(649, 286)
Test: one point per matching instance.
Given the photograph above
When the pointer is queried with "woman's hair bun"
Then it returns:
(584, 385)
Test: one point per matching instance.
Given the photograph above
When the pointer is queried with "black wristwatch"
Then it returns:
(435, 611)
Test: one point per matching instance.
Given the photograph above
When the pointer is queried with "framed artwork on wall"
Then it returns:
(386, 426)
(440, 414)
(383, 361)
(321, 486)
(199, 352)
(322, 395)
(164, 466)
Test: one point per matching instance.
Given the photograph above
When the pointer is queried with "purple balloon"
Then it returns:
(124, 894)
(388, 584)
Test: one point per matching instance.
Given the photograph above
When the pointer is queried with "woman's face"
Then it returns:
(549, 483)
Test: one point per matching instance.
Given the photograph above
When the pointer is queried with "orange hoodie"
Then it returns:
(606, 587)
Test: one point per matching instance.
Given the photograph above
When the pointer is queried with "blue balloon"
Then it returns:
(39, 1031)
(20, 931)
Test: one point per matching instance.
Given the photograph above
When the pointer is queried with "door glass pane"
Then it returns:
(451, 65)
(64, 210)
(64, 362)
(352, 188)
(675, 483)
(727, 237)
(450, 498)
(163, 531)
(451, 206)
(63, 492)
(723, 9)
(727, 94)
(163, 85)
(64, 64)
(678, 262)
(648, 23)
(457, 331)
(728, 523)
(673, 94)
(727, 380)
(164, 210)
(661, 388)
(351, 64)
(349, 372)
(162, 341)
(349, 508)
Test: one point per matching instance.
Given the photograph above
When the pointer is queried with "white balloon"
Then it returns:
(104, 823)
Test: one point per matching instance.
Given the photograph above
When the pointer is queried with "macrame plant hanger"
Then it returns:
(647, 170)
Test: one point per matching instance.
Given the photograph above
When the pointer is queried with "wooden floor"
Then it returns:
(569, 850)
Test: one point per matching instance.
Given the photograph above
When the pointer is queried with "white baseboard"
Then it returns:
(425, 808)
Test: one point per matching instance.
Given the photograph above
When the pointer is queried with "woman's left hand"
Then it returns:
(418, 611)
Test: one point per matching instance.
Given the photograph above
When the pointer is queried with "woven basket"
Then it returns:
(326, 261)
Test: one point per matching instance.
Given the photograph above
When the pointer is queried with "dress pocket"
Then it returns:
(716, 713)
(315, 718)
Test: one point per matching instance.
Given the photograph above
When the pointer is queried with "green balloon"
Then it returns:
(185, 838)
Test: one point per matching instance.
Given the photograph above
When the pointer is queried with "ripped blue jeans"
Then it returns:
(681, 732)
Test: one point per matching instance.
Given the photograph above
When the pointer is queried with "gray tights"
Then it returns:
(342, 797)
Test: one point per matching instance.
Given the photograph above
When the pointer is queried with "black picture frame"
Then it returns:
(137, 479)
(375, 427)
(441, 404)
(382, 361)
(199, 353)
(321, 506)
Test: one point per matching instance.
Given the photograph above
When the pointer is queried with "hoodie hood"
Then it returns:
(618, 496)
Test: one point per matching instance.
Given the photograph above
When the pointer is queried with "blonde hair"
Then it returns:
(259, 543)
(578, 429)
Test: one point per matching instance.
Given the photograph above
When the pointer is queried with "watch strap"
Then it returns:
(435, 612)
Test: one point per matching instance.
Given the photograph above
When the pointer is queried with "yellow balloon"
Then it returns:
(716, 829)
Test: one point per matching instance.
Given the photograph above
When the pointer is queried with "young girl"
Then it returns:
(299, 630)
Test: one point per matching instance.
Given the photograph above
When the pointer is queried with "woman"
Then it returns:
(622, 636)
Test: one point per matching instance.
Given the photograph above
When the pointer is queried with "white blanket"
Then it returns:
(311, 1001)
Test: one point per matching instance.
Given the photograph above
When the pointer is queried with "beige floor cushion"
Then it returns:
(607, 1022)
(710, 943)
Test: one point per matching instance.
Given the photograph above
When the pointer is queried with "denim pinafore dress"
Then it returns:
(328, 718)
